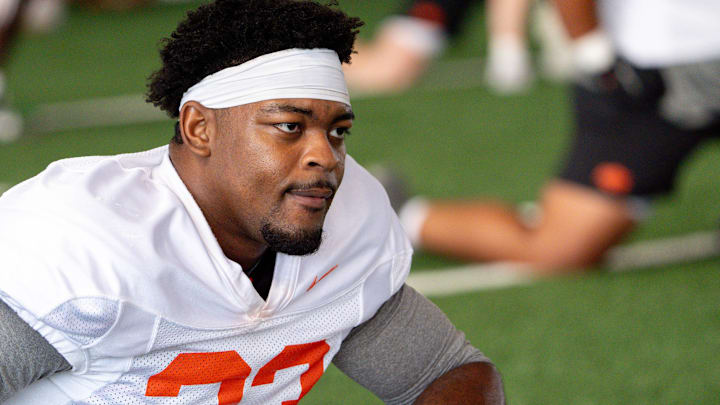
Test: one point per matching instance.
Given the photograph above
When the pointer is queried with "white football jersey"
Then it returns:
(112, 261)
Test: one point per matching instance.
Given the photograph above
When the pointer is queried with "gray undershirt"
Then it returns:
(407, 345)
(25, 356)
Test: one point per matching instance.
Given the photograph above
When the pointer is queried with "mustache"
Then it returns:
(313, 185)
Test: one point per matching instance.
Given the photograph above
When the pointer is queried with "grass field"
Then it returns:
(645, 337)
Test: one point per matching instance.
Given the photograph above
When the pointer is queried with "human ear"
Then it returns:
(197, 126)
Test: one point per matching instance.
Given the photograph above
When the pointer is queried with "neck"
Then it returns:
(237, 246)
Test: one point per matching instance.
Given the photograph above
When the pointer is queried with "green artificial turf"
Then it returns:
(651, 337)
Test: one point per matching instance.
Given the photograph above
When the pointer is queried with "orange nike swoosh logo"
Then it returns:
(317, 280)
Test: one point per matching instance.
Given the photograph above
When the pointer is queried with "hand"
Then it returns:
(626, 81)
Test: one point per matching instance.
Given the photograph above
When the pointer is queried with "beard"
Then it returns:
(290, 240)
(295, 242)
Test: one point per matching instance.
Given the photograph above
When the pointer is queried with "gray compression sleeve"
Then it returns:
(25, 356)
(406, 346)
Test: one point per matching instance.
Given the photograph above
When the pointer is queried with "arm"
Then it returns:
(409, 351)
(25, 356)
(467, 384)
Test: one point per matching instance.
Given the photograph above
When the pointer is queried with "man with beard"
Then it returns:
(215, 269)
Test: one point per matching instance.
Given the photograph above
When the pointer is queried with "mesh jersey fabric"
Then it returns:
(113, 263)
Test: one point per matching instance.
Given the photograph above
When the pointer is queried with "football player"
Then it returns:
(11, 124)
(234, 264)
(646, 97)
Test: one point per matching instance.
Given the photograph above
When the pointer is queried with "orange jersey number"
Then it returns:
(230, 370)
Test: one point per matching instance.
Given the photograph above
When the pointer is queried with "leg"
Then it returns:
(508, 66)
(577, 226)
(624, 149)
(404, 46)
(10, 122)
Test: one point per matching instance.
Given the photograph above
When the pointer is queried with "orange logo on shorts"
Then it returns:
(613, 177)
(428, 11)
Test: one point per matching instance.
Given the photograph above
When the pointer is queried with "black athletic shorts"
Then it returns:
(622, 145)
(449, 13)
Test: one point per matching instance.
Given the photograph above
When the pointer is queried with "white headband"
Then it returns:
(291, 73)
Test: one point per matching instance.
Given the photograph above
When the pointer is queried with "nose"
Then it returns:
(319, 152)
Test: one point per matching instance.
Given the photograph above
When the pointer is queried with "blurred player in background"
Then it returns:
(647, 94)
(406, 44)
(10, 16)
(37, 16)
(176, 275)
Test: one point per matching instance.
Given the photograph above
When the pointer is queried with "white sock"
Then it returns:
(422, 37)
(412, 217)
(508, 65)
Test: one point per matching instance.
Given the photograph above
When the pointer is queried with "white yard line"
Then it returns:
(106, 111)
(467, 279)
(631, 257)
(659, 252)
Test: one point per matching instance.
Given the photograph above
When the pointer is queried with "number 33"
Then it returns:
(230, 370)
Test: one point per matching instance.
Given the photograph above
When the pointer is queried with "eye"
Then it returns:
(340, 132)
(288, 127)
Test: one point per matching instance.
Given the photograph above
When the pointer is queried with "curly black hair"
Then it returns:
(226, 33)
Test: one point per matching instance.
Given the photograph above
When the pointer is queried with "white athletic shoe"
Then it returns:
(11, 124)
(44, 16)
